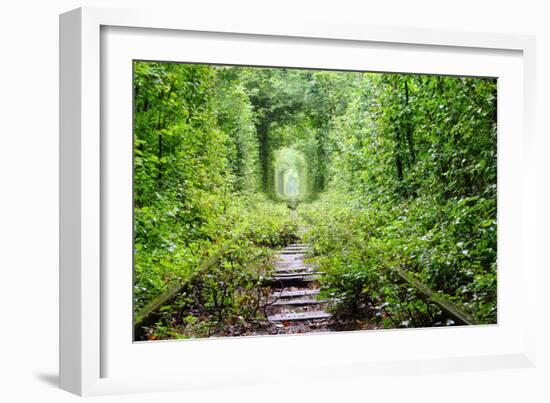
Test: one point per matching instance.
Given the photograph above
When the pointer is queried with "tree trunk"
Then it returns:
(398, 156)
(409, 128)
(159, 152)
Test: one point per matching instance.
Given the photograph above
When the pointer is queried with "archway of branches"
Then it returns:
(290, 175)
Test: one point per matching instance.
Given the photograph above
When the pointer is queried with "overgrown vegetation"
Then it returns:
(389, 169)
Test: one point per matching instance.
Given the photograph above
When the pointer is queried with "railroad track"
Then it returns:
(294, 303)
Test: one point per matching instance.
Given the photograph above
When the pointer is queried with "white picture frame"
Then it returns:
(96, 356)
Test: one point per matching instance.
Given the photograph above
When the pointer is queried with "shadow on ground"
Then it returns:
(49, 379)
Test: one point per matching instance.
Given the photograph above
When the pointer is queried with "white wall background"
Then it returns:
(29, 188)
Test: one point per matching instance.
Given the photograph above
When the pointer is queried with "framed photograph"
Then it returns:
(235, 192)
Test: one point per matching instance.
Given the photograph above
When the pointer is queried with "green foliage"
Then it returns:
(389, 166)
(196, 171)
(413, 173)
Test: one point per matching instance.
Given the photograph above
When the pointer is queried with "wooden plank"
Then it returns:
(293, 269)
(296, 293)
(293, 276)
(303, 272)
(299, 316)
(298, 301)
(291, 262)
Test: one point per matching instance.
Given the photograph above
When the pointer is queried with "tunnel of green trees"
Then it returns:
(290, 175)
(399, 167)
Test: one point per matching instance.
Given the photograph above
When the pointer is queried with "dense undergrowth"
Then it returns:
(226, 295)
(445, 248)
(413, 186)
